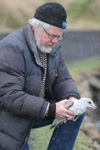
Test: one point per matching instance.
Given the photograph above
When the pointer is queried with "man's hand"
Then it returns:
(62, 112)
(72, 98)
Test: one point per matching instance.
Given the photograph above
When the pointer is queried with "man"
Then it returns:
(34, 82)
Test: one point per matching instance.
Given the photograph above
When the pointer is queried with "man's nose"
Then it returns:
(55, 40)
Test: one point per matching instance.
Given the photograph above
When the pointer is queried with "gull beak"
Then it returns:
(94, 107)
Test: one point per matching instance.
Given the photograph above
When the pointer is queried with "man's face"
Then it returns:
(46, 39)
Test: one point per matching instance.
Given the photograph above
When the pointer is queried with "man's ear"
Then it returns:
(35, 30)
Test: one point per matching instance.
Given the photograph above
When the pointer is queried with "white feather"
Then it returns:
(78, 107)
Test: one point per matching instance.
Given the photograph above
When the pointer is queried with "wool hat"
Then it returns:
(52, 13)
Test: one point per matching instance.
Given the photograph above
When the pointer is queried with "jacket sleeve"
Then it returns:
(12, 79)
(64, 85)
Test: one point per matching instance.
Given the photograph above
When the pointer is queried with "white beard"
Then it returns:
(42, 48)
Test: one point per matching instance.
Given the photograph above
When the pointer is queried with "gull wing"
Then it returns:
(57, 121)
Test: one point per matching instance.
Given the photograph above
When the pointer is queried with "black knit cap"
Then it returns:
(52, 13)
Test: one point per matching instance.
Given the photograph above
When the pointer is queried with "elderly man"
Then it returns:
(34, 82)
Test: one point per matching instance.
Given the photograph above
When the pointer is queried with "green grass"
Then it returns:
(40, 137)
(12, 21)
(86, 65)
(83, 142)
(85, 9)
(80, 7)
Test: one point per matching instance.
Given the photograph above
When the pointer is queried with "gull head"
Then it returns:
(88, 102)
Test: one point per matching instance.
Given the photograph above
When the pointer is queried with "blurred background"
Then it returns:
(82, 14)
(81, 51)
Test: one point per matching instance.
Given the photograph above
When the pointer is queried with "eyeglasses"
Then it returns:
(51, 36)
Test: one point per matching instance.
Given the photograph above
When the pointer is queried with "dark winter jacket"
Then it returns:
(21, 73)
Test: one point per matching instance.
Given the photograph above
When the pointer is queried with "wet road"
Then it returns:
(78, 45)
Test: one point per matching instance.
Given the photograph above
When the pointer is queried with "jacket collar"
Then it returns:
(31, 43)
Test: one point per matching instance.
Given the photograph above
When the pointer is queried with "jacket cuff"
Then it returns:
(43, 110)
(51, 111)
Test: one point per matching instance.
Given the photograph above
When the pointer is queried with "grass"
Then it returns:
(86, 8)
(83, 142)
(83, 15)
(80, 8)
(86, 65)
(40, 137)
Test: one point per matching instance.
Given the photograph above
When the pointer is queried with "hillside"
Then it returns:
(82, 14)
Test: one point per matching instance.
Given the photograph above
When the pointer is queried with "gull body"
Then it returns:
(77, 106)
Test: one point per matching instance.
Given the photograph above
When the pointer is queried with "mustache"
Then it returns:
(50, 44)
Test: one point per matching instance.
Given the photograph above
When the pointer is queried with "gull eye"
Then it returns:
(89, 102)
